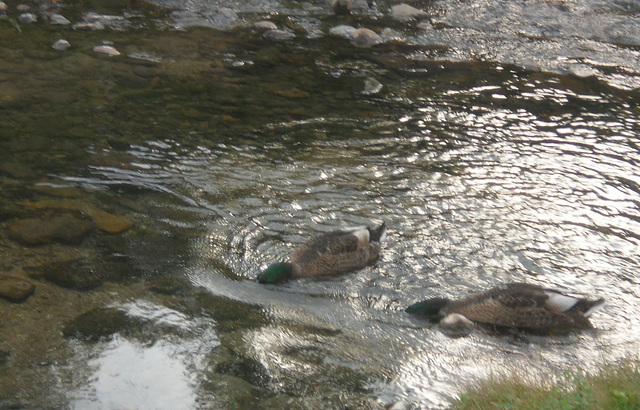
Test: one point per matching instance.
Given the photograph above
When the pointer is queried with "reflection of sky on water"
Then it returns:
(129, 375)
(160, 374)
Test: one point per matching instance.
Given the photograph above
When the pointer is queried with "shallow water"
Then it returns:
(497, 150)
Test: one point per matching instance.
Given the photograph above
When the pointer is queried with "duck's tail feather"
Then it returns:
(592, 306)
(378, 234)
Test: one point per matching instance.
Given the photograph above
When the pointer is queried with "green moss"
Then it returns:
(613, 387)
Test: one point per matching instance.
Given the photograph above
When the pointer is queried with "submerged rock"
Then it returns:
(67, 228)
(71, 274)
(101, 323)
(371, 86)
(103, 220)
(15, 289)
(363, 37)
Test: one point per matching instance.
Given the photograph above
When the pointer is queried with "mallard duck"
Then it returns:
(515, 305)
(329, 254)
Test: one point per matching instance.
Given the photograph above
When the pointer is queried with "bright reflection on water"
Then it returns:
(163, 374)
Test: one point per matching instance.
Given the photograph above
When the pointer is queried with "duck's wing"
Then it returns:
(335, 252)
(332, 243)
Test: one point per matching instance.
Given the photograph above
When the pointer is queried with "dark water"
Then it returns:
(503, 146)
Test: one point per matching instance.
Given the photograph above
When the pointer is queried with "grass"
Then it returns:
(615, 386)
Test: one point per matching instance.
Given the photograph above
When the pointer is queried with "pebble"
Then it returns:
(278, 35)
(341, 6)
(27, 18)
(265, 24)
(88, 26)
(108, 50)
(389, 34)
(363, 37)
(59, 20)
(371, 86)
(342, 31)
(406, 12)
(22, 7)
(61, 45)
(15, 289)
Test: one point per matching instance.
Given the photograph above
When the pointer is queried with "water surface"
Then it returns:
(488, 159)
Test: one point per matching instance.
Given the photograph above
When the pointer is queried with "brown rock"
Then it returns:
(103, 220)
(15, 289)
(65, 228)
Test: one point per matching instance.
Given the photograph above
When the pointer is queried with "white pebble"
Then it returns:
(108, 50)
(406, 12)
(363, 37)
(59, 20)
(61, 45)
(27, 18)
(342, 31)
(278, 35)
(265, 24)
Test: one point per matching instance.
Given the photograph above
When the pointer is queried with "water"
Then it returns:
(501, 147)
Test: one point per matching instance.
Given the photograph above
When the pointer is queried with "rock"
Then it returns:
(61, 45)
(233, 392)
(371, 86)
(58, 20)
(265, 25)
(389, 34)
(66, 228)
(70, 274)
(108, 50)
(406, 12)
(101, 323)
(230, 314)
(341, 6)
(4, 357)
(342, 31)
(103, 220)
(15, 289)
(27, 18)
(3, 7)
(88, 26)
(22, 7)
(363, 37)
(278, 35)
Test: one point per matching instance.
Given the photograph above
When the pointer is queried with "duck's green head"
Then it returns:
(431, 309)
(276, 273)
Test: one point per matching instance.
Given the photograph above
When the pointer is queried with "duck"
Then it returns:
(331, 253)
(523, 306)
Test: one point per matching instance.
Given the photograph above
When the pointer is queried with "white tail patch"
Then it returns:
(559, 301)
(456, 320)
(362, 233)
(383, 235)
(595, 308)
